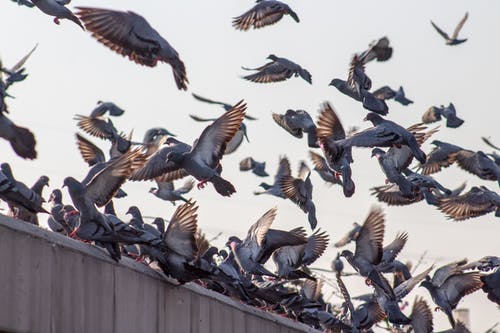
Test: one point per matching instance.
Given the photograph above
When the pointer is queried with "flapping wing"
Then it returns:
(275, 72)
(259, 229)
(206, 100)
(246, 164)
(432, 115)
(157, 165)
(212, 142)
(371, 137)
(188, 186)
(329, 125)
(392, 250)
(459, 26)
(441, 32)
(384, 93)
(99, 127)
(283, 169)
(391, 195)
(259, 16)
(180, 234)
(371, 236)
(281, 120)
(444, 272)
(421, 317)
(465, 206)
(457, 286)
(316, 245)
(91, 153)
(407, 286)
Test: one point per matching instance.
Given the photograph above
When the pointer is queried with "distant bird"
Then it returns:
(225, 106)
(352, 235)
(106, 107)
(338, 157)
(261, 241)
(379, 50)
(439, 157)
(434, 114)
(453, 40)
(275, 188)
(289, 259)
(478, 201)
(324, 171)
(202, 161)
(21, 139)
(167, 192)
(129, 34)
(57, 9)
(298, 122)
(385, 133)
(265, 12)
(279, 69)
(386, 93)
(449, 285)
(258, 168)
(299, 191)
(477, 163)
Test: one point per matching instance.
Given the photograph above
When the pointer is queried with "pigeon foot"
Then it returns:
(201, 184)
(56, 20)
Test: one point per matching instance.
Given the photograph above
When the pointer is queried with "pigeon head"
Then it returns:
(134, 211)
(55, 196)
(377, 152)
(336, 83)
(272, 57)
(374, 118)
(347, 254)
(265, 186)
(44, 180)
(73, 185)
(160, 224)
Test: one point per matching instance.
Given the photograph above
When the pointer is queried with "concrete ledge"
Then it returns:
(51, 283)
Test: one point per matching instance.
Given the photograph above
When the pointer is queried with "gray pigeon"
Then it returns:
(265, 12)
(56, 221)
(225, 106)
(26, 3)
(102, 107)
(491, 286)
(352, 235)
(57, 9)
(419, 181)
(21, 139)
(386, 93)
(258, 168)
(392, 196)
(379, 49)
(477, 202)
(324, 171)
(279, 69)
(338, 157)
(167, 192)
(203, 160)
(421, 317)
(289, 259)
(439, 157)
(385, 133)
(453, 40)
(129, 34)
(389, 165)
(434, 114)
(299, 191)
(154, 138)
(275, 188)
(297, 122)
(477, 163)
(449, 285)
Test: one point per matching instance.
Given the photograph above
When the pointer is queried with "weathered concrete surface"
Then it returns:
(50, 283)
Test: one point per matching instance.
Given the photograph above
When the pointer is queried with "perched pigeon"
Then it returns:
(449, 285)
(338, 157)
(261, 241)
(258, 168)
(265, 12)
(299, 190)
(275, 188)
(453, 40)
(385, 133)
(478, 201)
(434, 114)
(129, 34)
(279, 69)
(386, 93)
(289, 259)
(166, 191)
(297, 122)
(439, 157)
(57, 9)
(477, 163)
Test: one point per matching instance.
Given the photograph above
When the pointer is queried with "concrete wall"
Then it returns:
(50, 283)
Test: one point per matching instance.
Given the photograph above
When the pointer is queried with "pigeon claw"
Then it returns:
(368, 282)
(201, 184)
(56, 20)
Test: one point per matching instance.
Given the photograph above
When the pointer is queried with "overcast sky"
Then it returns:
(70, 71)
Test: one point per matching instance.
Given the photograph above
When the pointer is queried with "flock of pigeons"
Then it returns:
(180, 249)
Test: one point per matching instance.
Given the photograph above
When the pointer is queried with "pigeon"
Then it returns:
(129, 34)
(167, 192)
(439, 157)
(299, 191)
(21, 139)
(279, 69)
(57, 9)
(477, 163)
(154, 138)
(324, 171)
(434, 114)
(419, 181)
(16, 73)
(265, 12)
(102, 107)
(391, 166)
(489, 143)
(392, 195)
(352, 235)
(477, 202)
(385, 133)
(386, 93)
(421, 317)
(379, 50)
(225, 106)
(289, 259)
(261, 241)
(449, 285)
(258, 168)
(453, 40)
(56, 221)
(491, 286)
(369, 249)
(237, 139)
(202, 161)
(26, 3)
(298, 122)
(275, 188)
(338, 157)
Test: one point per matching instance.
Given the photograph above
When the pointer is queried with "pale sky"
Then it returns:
(70, 71)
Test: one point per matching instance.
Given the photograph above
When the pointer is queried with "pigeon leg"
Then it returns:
(437, 308)
(201, 184)
(368, 282)
(73, 233)
(337, 175)
(56, 20)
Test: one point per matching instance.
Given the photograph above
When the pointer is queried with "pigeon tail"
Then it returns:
(454, 122)
(23, 142)
(179, 71)
(222, 186)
